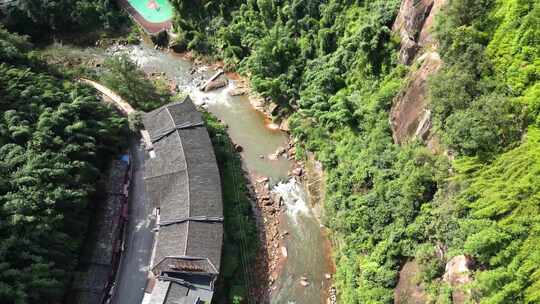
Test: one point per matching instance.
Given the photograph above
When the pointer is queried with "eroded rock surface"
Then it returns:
(410, 116)
(457, 274)
(408, 289)
(413, 24)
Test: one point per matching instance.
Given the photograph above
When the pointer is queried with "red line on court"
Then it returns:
(149, 27)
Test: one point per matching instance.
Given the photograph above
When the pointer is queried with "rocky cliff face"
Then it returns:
(457, 273)
(410, 116)
(408, 289)
(413, 24)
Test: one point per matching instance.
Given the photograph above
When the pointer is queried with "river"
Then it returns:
(307, 247)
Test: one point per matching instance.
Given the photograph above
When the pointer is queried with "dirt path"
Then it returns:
(118, 101)
(122, 105)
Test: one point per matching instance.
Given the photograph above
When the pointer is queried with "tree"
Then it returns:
(55, 138)
(125, 78)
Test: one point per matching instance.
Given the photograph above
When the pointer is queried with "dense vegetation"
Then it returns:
(500, 222)
(331, 66)
(124, 77)
(41, 19)
(56, 137)
(491, 79)
(240, 240)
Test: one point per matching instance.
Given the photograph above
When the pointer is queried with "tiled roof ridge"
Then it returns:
(187, 177)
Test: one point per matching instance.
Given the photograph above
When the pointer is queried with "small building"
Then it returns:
(183, 182)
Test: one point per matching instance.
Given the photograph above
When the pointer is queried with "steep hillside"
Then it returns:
(45, 20)
(410, 116)
(424, 114)
(461, 75)
(55, 138)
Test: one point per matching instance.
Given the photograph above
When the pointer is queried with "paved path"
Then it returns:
(132, 273)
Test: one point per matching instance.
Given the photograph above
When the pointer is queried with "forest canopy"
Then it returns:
(44, 18)
(56, 136)
(332, 68)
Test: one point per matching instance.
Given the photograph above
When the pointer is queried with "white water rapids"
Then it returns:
(306, 245)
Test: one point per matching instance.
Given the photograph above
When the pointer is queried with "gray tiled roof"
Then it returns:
(159, 293)
(183, 181)
(177, 294)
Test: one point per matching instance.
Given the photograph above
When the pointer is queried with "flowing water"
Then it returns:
(247, 127)
(307, 247)
(307, 250)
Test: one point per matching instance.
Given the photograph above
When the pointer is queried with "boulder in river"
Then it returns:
(276, 197)
(216, 84)
(238, 148)
(304, 282)
(297, 171)
(273, 108)
(262, 179)
(280, 150)
(284, 125)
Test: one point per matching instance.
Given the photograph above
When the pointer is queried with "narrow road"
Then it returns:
(132, 273)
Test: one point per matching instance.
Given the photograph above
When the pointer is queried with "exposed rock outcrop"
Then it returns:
(408, 290)
(413, 23)
(216, 84)
(457, 273)
(410, 116)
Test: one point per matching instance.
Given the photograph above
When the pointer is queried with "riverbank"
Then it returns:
(240, 233)
(273, 218)
(309, 173)
(292, 262)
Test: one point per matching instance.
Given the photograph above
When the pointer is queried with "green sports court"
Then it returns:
(153, 11)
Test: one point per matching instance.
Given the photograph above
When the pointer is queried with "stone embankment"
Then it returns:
(94, 278)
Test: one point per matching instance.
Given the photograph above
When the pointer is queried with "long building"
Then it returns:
(183, 182)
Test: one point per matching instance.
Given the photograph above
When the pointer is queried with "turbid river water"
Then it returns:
(306, 245)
